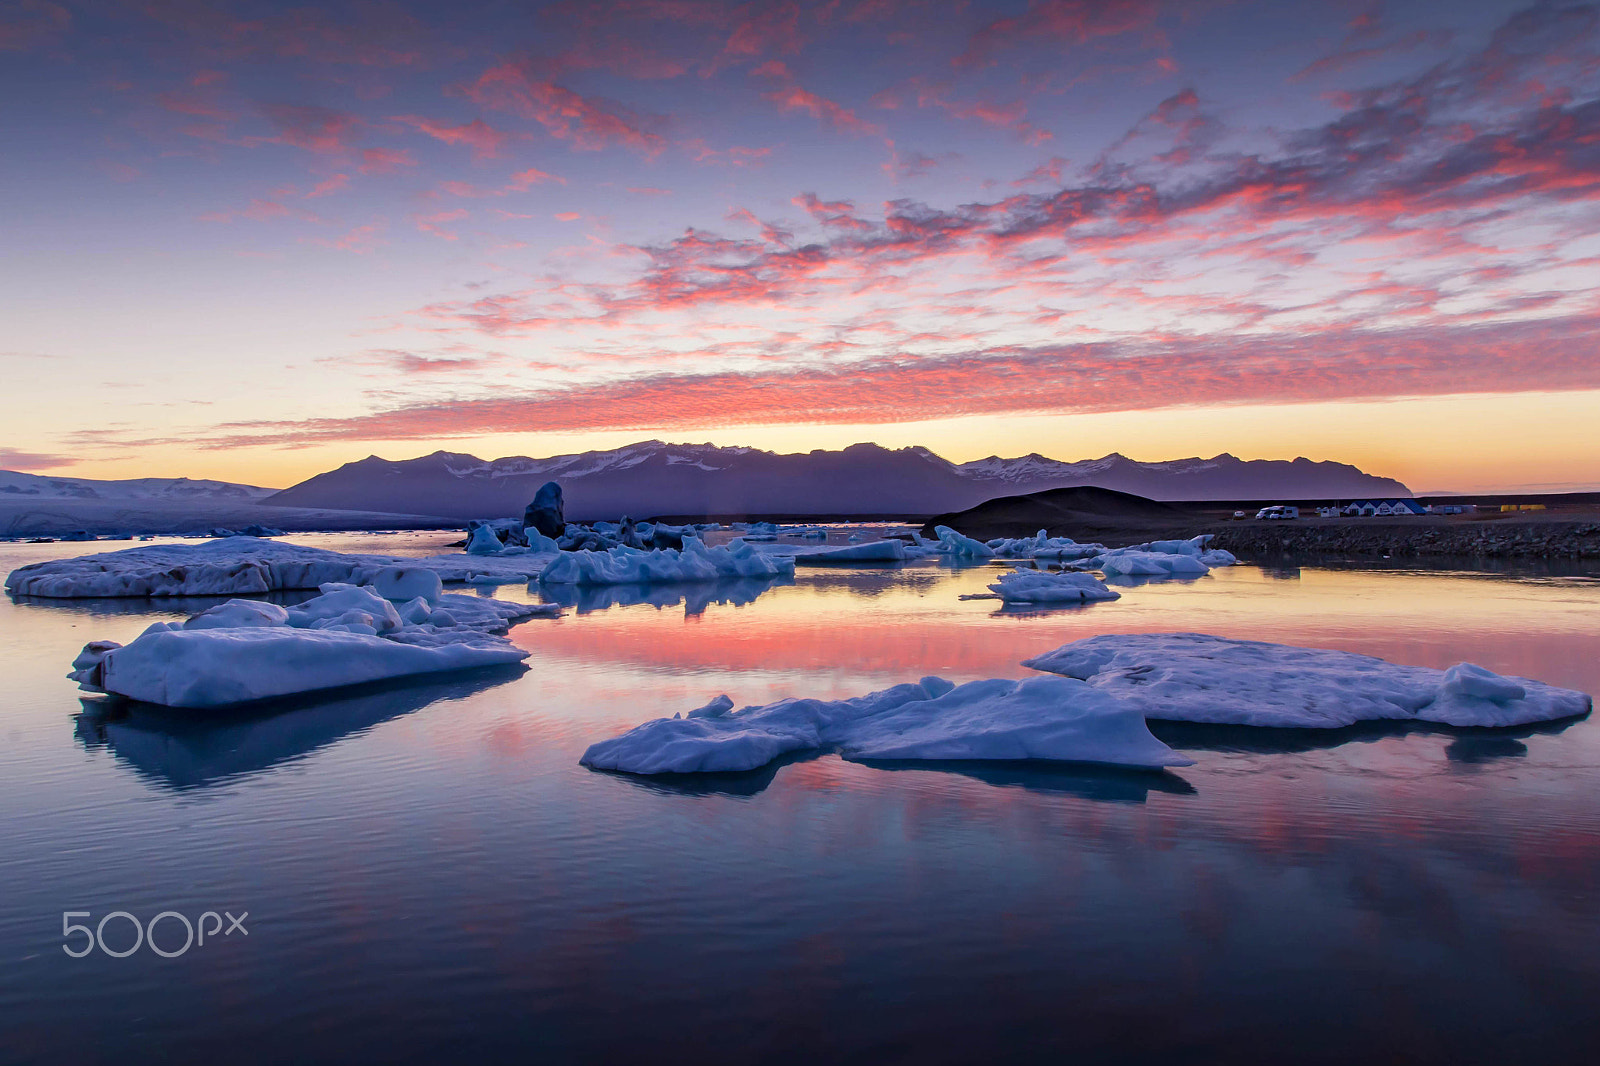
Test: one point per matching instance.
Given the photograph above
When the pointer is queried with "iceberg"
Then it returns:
(964, 547)
(696, 596)
(1130, 562)
(246, 650)
(635, 566)
(877, 551)
(484, 541)
(1195, 677)
(1038, 586)
(219, 667)
(1041, 545)
(242, 566)
(1053, 719)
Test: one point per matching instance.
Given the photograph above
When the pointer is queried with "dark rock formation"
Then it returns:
(546, 513)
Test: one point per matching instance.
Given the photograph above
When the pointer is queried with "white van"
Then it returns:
(1278, 511)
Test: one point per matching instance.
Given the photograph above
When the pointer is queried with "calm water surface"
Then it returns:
(430, 875)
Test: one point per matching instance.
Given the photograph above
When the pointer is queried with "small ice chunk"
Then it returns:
(715, 709)
(878, 551)
(1469, 679)
(483, 541)
(960, 546)
(237, 613)
(696, 562)
(1037, 586)
(407, 582)
(338, 599)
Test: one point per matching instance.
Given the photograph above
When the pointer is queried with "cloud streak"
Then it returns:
(1179, 371)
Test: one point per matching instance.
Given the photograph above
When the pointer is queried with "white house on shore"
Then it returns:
(1376, 508)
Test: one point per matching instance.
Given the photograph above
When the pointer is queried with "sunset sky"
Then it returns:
(252, 241)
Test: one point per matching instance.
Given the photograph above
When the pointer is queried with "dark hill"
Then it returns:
(1082, 512)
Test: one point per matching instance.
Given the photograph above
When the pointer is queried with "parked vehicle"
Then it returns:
(1278, 512)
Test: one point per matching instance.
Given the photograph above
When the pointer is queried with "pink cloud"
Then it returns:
(484, 140)
(523, 180)
(384, 160)
(1346, 364)
(329, 186)
(795, 98)
(316, 129)
(30, 23)
(434, 223)
(12, 459)
(1075, 22)
(588, 123)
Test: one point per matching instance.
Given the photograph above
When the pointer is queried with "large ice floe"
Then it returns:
(1194, 677)
(242, 566)
(242, 651)
(634, 566)
(1047, 718)
(1051, 587)
(1095, 711)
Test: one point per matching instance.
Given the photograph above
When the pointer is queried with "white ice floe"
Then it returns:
(877, 551)
(1043, 546)
(245, 650)
(1128, 562)
(1039, 718)
(696, 562)
(242, 566)
(218, 667)
(1194, 677)
(1037, 586)
(960, 546)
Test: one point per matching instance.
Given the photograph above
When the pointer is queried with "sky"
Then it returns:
(253, 241)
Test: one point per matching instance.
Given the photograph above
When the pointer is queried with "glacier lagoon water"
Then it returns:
(430, 875)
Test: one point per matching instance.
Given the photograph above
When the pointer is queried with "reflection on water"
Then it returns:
(432, 876)
(1101, 784)
(180, 749)
(695, 596)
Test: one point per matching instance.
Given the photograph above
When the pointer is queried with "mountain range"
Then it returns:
(656, 478)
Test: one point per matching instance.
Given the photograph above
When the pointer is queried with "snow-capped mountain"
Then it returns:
(39, 486)
(656, 478)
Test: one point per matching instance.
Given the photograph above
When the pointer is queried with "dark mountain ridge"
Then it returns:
(656, 478)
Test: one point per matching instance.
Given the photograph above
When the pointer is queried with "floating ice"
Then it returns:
(1129, 562)
(955, 544)
(1194, 677)
(219, 667)
(240, 566)
(878, 551)
(407, 583)
(1041, 545)
(1039, 718)
(238, 614)
(484, 541)
(1037, 586)
(696, 562)
(247, 650)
